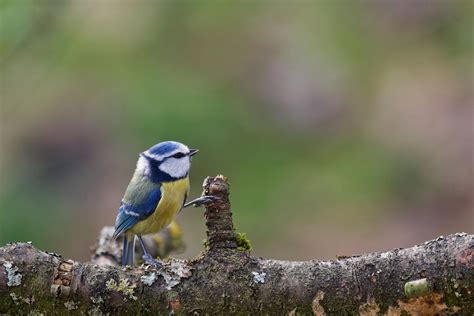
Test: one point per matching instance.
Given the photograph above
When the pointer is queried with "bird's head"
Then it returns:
(166, 161)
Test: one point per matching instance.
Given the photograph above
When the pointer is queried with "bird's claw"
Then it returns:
(203, 201)
(152, 261)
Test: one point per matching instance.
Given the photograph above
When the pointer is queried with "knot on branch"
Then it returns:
(220, 228)
(63, 275)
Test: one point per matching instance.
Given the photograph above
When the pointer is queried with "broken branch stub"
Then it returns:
(220, 229)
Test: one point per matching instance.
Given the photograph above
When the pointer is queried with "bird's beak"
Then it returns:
(192, 152)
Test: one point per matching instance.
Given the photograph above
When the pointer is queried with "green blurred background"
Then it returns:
(343, 126)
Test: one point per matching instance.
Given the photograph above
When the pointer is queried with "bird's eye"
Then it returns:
(178, 155)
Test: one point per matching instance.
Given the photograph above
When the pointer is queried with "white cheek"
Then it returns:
(176, 168)
(143, 166)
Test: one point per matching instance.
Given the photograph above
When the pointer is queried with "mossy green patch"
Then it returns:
(124, 286)
(243, 243)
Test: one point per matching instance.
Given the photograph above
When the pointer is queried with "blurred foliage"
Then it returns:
(285, 98)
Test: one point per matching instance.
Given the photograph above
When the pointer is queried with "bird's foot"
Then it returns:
(203, 201)
(152, 261)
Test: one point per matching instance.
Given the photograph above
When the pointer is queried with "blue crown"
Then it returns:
(164, 147)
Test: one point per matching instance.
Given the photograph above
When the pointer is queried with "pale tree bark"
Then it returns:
(436, 277)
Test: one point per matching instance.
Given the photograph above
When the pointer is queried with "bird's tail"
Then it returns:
(128, 250)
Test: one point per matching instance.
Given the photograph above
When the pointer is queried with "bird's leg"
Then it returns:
(147, 257)
(202, 201)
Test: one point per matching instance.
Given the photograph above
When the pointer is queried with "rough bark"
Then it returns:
(436, 277)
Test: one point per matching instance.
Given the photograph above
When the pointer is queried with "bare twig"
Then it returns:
(436, 277)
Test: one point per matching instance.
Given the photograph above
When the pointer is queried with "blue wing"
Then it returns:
(129, 214)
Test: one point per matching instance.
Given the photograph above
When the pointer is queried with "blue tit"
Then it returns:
(156, 193)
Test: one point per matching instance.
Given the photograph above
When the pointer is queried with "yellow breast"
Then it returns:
(172, 199)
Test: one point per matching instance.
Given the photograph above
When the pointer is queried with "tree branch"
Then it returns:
(434, 277)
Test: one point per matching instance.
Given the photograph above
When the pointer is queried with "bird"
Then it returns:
(157, 191)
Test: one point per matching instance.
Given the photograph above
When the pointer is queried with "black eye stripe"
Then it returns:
(178, 155)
